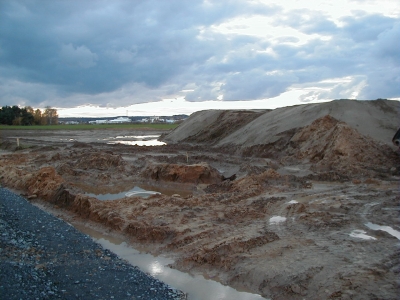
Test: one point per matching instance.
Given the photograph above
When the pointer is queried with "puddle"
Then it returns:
(361, 234)
(136, 191)
(138, 137)
(196, 287)
(140, 143)
(139, 140)
(388, 229)
(143, 191)
(276, 220)
(293, 202)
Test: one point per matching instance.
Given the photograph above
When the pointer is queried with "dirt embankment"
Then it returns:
(210, 127)
(291, 225)
(378, 119)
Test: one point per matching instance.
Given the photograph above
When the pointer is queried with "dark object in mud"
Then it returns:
(231, 178)
(396, 138)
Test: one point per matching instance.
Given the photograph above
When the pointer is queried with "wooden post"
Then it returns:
(17, 142)
(187, 157)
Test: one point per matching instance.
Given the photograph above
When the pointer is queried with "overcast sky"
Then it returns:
(118, 53)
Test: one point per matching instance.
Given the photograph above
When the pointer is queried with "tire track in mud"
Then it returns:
(319, 244)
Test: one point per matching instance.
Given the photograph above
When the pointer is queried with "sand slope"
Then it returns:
(378, 119)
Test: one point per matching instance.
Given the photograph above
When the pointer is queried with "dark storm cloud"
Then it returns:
(146, 50)
(94, 47)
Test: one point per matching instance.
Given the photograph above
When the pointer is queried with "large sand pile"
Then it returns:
(378, 119)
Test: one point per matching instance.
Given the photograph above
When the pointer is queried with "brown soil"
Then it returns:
(282, 228)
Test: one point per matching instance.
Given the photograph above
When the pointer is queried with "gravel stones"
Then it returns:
(42, 257)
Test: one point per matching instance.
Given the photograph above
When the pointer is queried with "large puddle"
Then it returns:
(196, 287)
(139, 140)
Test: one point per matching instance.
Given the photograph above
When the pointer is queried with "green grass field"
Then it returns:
(91, 127)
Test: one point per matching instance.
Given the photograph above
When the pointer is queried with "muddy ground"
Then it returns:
(289, 225)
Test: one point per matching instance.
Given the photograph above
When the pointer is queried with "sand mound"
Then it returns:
(44, 182)
(378, 119)
(331, 144)
(212, 126)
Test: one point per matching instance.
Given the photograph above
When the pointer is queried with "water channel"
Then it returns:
(196, 287)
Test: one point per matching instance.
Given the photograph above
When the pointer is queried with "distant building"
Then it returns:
(68, 122)
(154, 119)
(118, 120)
(98, 122)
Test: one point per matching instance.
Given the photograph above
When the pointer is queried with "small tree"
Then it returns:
(37, 117)
(50, 115)
(17, 121)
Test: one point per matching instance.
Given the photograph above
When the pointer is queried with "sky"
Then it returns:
(164, 57)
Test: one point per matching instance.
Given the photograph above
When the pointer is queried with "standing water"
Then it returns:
(388, 229)
(139, 140)
(196, 287)
(136, 191)
(143, 191)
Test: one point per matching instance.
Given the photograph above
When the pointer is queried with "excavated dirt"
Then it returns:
(291, 223)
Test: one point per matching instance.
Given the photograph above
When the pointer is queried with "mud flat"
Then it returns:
(294, 203)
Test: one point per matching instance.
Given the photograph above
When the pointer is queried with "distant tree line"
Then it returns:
(14, 115)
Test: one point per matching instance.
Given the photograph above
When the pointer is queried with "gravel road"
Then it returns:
(42, 257)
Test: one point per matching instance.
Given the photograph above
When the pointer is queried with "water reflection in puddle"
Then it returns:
(138, 137)
(361, 234)
(293, 202)
(136, 191)
(139, 140)
(143, 191)
(388, 229)
(197, 287)
(140, 143)
(277, 219)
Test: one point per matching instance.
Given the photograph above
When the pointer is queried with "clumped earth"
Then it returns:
(280, 205)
